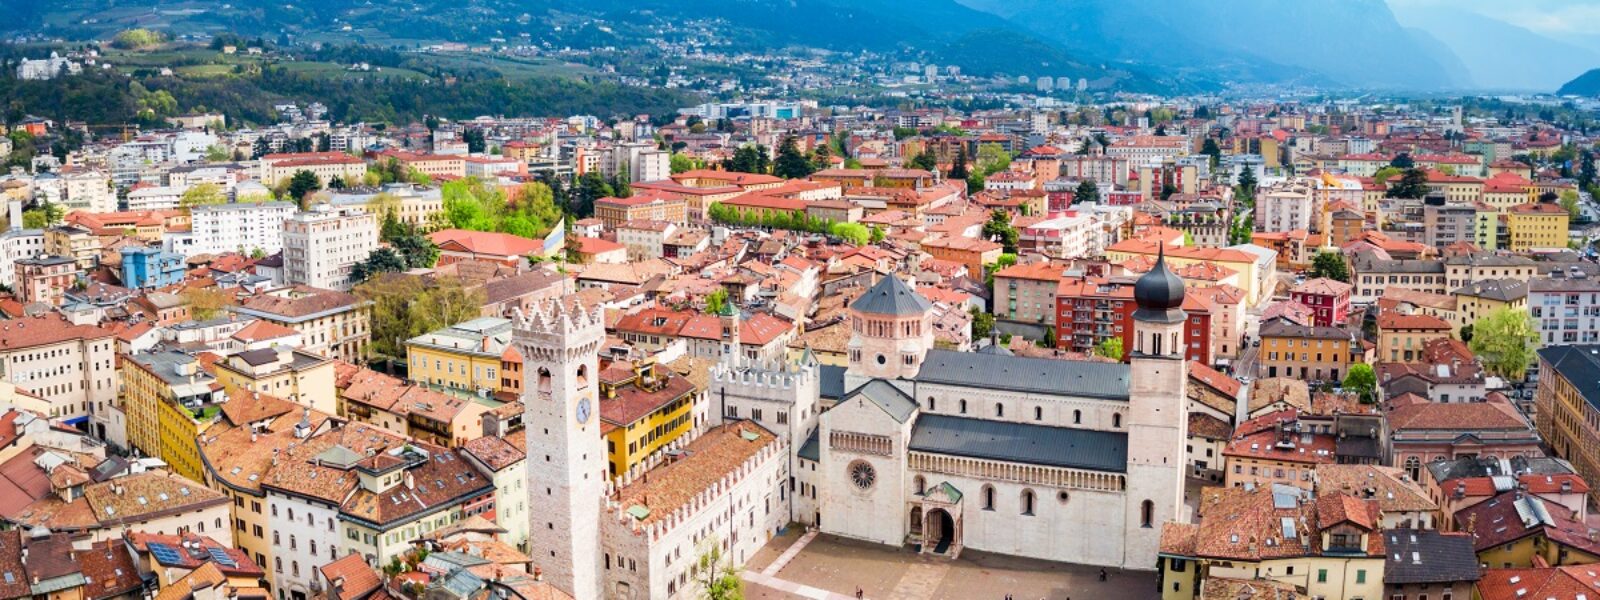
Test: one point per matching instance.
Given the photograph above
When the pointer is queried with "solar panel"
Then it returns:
(221, 557)
(165, 553)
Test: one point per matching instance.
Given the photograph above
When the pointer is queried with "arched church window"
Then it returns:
(963, 406)
(1116, 420)
(920, 484)
(1027, 502)
(1038, 413)
(1077, 417)
(930, 403)
(583, 376)
(988, 497)
(1413, 468)
(999, 409)
(1147, 513)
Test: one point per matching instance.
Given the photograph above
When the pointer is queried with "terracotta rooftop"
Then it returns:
(707, 459)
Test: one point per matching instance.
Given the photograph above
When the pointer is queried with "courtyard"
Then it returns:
(833, 568)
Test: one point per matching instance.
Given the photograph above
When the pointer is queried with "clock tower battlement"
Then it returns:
(559, 343)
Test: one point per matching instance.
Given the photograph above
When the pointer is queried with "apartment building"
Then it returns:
(1307, 352)
(1565, 307)
(321, 245)
(71, 367)
(333, 324)
(46, 278)
(1027, 293)
(1567, 401)
(1286, 208)
(169, 399)
(243, 228)
(641, 207)
(274, 168)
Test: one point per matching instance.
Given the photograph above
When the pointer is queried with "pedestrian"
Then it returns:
(859, 594)
(1102, 574)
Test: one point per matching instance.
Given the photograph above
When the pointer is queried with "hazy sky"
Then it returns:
(1556, 18)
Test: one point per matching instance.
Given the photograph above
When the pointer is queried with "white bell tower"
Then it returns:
(1157, 414)
(566, 454)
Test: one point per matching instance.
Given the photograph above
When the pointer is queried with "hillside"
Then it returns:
(1587, 84)
(938, 31)
(1355, 43)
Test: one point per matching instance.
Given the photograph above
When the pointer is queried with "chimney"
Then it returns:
(538, 573)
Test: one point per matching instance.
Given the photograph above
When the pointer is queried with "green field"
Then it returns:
(204, 62)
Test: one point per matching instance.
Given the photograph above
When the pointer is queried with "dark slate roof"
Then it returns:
(1579, 365)
(812, 449)
(887, 397)
(1473, 466)
(832, 384)
(1021, 443)
(1428, 556)
(891, 296)
(1022, 374)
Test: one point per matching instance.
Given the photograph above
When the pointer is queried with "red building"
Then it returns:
(1329, 300)
(1090, 310)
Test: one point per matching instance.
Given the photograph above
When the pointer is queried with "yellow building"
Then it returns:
(1537, 225)
(643, 407)
(1479, 298)
(74, 242)
(1311, 353)
(465, 356)
(1566, 419)
(297, 376)
(1402, 337)
(168, 400)
(1330, 547)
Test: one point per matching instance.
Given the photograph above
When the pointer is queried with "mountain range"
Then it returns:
(1167, 46)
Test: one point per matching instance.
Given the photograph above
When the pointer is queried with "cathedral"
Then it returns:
(908, 445)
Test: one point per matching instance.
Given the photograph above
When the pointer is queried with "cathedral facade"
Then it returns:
(910, 445)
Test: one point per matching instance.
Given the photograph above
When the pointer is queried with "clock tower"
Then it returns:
(566, 455)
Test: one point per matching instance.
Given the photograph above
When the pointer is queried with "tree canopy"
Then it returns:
(1330, 265)
(202, 195)
(1362, 381)
(404, 307)
(1506, 340)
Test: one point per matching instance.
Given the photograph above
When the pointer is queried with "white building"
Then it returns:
(321, 245)
(643, 160)
(18, 244)
(46, 68)
(1284, 208)
(220, 228)
(159, 197)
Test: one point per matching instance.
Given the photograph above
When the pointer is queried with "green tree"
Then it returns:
(1385, 173)
(877, 234)
(1362, 381)
(901, 133)
(982, 323)
(1087, 192)
(302, 184)
(1569, 201)
(204, 194)
(926, 161)
(992, 159)
(1413, 184)
(791, 163)
(747, 159)
(717, 301)
(1331, 265)
(1403, 160)
(1211, 149)
(1247, 183)
(382, 260)
(958, 167)
(216, 153)
(682, 163)
(1506, 340)
(137, 39)
(1110, 347)
(1049, 340)
(855, 233)
(999, 228)
(718, 578)
(405, 306)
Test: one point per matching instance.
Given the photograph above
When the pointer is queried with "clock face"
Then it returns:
(862, 474)
(583, 411)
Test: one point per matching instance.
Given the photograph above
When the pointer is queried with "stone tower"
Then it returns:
(566, 454)
(892, 330)
(1157, 414)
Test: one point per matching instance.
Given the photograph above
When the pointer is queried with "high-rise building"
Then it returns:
(321, 245)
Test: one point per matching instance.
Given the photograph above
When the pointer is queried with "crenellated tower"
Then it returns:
(566, 460)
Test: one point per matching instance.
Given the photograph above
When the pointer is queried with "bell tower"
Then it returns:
(1157, 414)
(566, 457)
(891, 333)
